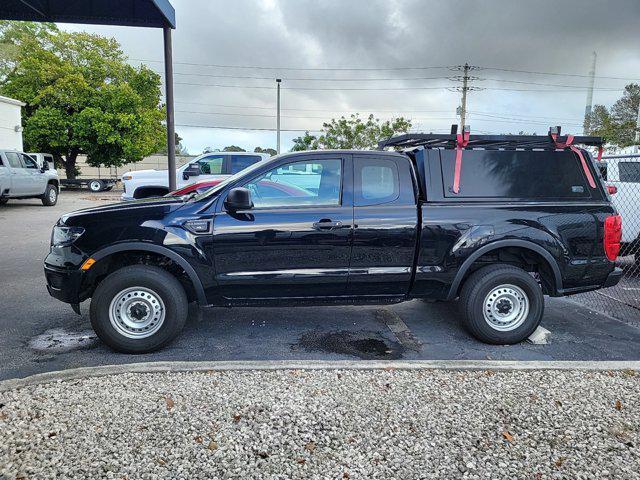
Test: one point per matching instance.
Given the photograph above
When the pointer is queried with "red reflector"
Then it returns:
(612, 236)
(612, 189)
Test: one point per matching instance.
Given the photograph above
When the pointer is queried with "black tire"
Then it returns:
(3, 201)
(476, 290)
(50, 197)
(96, 186)
(153, 279)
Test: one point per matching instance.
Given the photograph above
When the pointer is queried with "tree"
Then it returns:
(180, 148)
(270, 151)
(617, 124)
(352, 133)
(82, 97)
(233, 148)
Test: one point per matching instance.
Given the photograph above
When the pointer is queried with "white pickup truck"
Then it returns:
(208, 166)
(623, 173)
(21, 177)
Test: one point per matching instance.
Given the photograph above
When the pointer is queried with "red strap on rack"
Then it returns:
(577, 151)
(600, 149)
(462, 140)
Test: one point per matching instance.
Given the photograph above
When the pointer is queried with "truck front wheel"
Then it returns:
(50, 197)
(138, 309)
(501, 304)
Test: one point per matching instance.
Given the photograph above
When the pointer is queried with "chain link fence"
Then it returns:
(622, 301)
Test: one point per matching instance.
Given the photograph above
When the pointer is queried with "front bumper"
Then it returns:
(613, 278)
(63, 284)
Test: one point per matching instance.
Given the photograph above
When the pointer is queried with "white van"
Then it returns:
(623, 173)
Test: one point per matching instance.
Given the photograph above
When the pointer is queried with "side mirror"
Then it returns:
(45, 167)
(238, 199)
(193, 170)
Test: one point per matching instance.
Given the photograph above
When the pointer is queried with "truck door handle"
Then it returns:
(326, 224)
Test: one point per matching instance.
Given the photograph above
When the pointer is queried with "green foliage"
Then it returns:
(352, 133)
(82, 97)
(270, 151)
(233, 148)
(618, 123)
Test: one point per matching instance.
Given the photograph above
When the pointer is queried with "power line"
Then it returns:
(283, 116)
(262, 67)
(558, 74)
(246, 128)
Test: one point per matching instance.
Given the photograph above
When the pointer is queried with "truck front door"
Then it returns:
(296, 240)
(386, 226)
(20, 178)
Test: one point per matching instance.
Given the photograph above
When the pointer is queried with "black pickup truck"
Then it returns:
(496, 221)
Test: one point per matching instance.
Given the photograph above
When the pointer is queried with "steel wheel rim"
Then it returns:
(137, 312)
(53, 194)
(95, 186)
(505, 307)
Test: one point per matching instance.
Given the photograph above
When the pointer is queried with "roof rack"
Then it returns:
(487, 142)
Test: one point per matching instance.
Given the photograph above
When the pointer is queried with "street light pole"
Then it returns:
(171, 136)
(278, 80)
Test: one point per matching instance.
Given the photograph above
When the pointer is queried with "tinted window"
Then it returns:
(211, 165)
(14, 159)
(629, 171)
(376, 181)
(240, 162)
(515, 174)
(313, 182)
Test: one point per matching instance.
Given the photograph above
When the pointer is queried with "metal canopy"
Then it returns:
(131, 13)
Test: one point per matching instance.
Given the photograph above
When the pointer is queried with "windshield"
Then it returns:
(247, 171)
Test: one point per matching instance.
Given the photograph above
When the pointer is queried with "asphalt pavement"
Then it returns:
(39, 333)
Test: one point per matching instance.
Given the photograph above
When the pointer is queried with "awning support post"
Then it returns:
(171, 137)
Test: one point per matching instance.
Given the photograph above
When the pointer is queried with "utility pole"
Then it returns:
(588, 106)
(171, 129)
(278, 80)
(463, 105)
(465, 78)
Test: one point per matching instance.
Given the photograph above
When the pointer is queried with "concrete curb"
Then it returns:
(164, 367)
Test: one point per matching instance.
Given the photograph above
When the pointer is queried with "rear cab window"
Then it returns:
(629, 172)
(240, 162)
(515, 174)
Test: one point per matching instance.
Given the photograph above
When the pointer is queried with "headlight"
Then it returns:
(126, 177)
(65, 236)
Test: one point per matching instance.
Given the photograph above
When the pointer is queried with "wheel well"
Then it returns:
(146, 192)
(55, 183)
(118, 260)
(522, 257)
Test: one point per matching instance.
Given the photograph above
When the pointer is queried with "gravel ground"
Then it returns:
(326, 424)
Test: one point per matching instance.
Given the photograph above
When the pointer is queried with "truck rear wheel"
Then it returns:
(50, 197)
(138, 309)
(501, 304)
(96, 185)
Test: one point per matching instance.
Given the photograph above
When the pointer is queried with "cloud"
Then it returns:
(540, 36)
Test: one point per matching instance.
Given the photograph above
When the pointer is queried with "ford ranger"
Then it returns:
(494, 221)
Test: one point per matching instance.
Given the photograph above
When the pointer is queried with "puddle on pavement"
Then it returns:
(59, 340)
(366, 345)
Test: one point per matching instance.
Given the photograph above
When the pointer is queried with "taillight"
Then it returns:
(612, 189)
(612, 236)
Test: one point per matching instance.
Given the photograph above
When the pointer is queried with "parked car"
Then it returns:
(263, 188)
(21, 177)
(208, 166)
(497, 227)
(622, 174)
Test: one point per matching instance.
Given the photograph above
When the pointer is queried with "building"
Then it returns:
(10, 123)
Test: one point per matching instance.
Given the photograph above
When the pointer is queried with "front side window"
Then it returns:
(240, 162)
(14, 160)
(29, 162)
(312, 182)
(211, 165)
(629, 172)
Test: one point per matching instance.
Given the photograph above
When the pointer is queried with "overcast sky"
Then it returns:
(374, 35)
